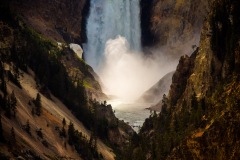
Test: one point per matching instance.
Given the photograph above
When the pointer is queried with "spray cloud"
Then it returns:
(126, 74)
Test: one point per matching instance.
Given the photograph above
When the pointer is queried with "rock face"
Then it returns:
(157, 91)
(78, 70)
(77, 49)
(173, 23)
(117, 132)
(59, 20)
(203, 103)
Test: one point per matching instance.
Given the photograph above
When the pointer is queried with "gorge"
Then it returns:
(114, 50)
(182, 55)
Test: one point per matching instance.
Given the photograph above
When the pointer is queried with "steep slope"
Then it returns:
(60, 77)
(58, 20)
(203, 103)
(50, 122)
(37, 16)
(157, 91)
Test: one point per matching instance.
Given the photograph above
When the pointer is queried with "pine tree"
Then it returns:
(13, 103)
(71, 133)
(63, 132)
(28, 128)
(194, 102)
(33, 111)
(203, 104)
(64, 122)
(65, 144)
(1, 130)
(164, 104)
(8, 107)
(38, 105)
(95, 143)
(3, 85)
(39, 133)
(13, 137)
(91, 140)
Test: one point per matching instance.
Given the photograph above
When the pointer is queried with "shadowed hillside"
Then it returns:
(200, 115)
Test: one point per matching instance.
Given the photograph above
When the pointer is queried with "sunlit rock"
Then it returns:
(76, 49)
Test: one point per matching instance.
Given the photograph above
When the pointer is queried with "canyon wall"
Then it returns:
(59, 20)
(174, 24)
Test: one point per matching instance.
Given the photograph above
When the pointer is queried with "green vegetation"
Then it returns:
(8, 103)
(39, 133)
(1, 130)
(13, 137)
(32, 51)
(225, 32)
(87, 84)
(27, 128)
(86, 148)
(172, 129)
(38, 105)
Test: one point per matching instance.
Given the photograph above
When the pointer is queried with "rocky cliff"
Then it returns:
(203, 103)
(58, 20)
(173, 24)
(156, 92)
(65, 22)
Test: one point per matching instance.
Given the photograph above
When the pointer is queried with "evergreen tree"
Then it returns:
(164, 104)
(8, 107)
(194, 102)
(71, 133)
(38, 105)
(39, 132)
(203, 104)
(13, 103)
(1, 130)
(64, 122)
(65, 144)
(33, 111)
(28, 128)
(91, 140)
(3, 85)
(95, 143)
(13, 137)
(63, 132)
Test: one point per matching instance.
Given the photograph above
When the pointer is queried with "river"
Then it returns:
(132, 113)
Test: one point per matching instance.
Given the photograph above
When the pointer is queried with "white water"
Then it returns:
(114, 51)
(107, 19)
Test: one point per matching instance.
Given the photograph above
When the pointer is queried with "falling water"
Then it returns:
(114, 51)
(107, 19)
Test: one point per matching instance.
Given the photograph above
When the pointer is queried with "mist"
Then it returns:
(114, 49)
(126, 74)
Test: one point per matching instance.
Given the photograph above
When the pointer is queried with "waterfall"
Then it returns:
(107, 20)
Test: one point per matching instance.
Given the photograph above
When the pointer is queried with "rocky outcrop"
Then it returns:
(181, 76)
(116, 131)
(203, 103)
(58, 20)
(157, 91)
(78, 70)
(175, 25)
